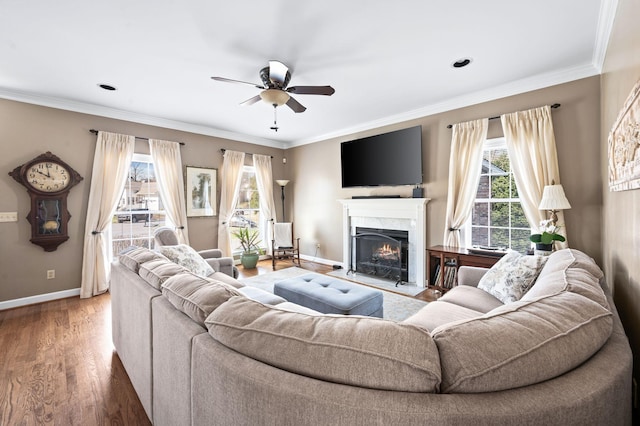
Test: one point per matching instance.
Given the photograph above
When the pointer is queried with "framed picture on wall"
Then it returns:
(200, 190)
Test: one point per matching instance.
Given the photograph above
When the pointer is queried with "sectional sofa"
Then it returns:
(207, 350)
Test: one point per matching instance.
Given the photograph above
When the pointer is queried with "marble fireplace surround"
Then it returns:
(404, 214)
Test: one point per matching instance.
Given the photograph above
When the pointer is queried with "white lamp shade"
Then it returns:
(282, 182)
(553, 198)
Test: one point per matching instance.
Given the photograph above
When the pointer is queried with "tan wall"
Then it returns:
(27, 131)
(621, 211)
(316, 181)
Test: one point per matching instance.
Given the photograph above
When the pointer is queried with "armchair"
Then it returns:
(165, 236)
(283, 244)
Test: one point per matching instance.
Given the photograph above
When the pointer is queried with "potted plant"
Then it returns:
(250, 250)
(544, 240)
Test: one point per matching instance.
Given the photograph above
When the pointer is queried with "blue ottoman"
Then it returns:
(330, 295)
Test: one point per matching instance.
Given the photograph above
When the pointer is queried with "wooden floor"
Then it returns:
(58, 365)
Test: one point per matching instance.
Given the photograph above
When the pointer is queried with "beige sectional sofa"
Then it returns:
(203, 351)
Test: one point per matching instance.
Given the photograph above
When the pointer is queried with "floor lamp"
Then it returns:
(282, 183)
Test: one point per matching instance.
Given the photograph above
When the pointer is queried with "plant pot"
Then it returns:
(249, 260)
(543, 249)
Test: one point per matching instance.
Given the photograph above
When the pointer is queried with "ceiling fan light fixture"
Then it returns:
(275, 97)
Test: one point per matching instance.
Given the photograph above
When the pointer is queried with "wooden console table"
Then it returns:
(443, 263)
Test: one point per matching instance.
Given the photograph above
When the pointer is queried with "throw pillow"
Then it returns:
(186, 256)
(512, 276)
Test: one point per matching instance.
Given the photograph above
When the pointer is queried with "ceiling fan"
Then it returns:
(275, 91)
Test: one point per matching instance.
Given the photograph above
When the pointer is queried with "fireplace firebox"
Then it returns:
(381, 252)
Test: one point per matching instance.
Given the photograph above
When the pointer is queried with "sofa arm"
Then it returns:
(470, 275)
(211, 253)
(224, 265)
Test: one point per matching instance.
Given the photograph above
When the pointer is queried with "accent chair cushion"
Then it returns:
(186, 256)
(353, 350)
(132, 258)
(197, 296)
(512, 276)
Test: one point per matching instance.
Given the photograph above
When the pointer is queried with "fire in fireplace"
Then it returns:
(381, 252)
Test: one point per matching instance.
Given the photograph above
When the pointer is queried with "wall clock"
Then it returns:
(48, 180)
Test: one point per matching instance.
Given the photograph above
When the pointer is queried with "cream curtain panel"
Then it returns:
(532, 151)
(111, 163)
(230, 182)
(168, 166)
(465, 163)
(264, 179)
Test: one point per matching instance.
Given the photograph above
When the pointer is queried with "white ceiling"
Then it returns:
(388, 61)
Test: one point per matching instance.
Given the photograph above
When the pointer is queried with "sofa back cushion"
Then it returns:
(133, 257)
(353, 350)
(569, 270)
(521, 343)
(157, 271)
(196, 296)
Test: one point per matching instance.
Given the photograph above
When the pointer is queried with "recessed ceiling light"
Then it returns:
(461, 63)
(106, 87)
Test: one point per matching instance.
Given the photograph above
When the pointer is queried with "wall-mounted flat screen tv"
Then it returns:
(393, 158)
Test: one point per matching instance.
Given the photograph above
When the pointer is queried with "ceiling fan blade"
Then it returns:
(228, 80)
(251, 101)
(278, 72)
(312, 90)
(295, 105)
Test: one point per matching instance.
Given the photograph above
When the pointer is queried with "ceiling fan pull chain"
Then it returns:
(275, 118)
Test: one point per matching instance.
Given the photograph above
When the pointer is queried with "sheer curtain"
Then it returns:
(465, 163)
(532, 151)
(264, 179)
(230, 182)
(168, 166)
(111, 163)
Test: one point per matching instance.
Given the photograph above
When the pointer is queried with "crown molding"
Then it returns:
(606, 18)
(498, 92)
(118, 114)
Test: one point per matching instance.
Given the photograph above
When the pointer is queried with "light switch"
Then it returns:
(8, 216)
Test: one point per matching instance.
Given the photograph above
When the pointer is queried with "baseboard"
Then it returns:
(40, 298)
(320, 260)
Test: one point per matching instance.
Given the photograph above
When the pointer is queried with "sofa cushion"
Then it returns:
(186, 256)
(353, 350)
(512, 276)
(260, 295)
(196, 296)
(521, 343)
(569, 270)
(439, 313)
(221, 276)
(132, 258)
(471, 298)
(157, 271)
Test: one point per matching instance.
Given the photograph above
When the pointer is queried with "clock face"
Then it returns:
(47, 176)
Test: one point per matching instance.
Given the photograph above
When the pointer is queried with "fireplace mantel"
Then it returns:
(408, 214)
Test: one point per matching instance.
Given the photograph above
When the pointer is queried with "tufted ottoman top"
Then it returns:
(331, 295)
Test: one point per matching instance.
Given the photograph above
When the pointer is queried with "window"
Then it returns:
(497, 219)
(140, 209)
(247, 211)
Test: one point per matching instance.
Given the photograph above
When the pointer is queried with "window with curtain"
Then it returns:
(140, 210)
(247, 211)
(497, 218)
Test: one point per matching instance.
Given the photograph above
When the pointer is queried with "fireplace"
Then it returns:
(381, 252)
(402, 214)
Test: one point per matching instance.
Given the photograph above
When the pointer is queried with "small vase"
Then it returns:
(249, 260)
(543, 249)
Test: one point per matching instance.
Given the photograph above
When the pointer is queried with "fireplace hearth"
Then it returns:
(382, 253)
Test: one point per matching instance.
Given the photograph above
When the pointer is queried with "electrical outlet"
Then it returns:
(8, 216)
(317, 245)
(51, 274)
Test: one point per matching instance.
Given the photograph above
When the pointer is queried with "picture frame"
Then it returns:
(624, 145)
(200, 191)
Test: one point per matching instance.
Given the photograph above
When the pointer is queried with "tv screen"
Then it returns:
(393, 158)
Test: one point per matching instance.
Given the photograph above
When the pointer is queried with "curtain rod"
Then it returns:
(95, 132)
(222, 150)
(554, 106)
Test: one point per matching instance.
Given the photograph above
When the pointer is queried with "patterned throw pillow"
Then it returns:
(512, 276)
(186, 256)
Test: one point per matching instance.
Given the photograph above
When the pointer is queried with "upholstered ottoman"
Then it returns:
(330, 295)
